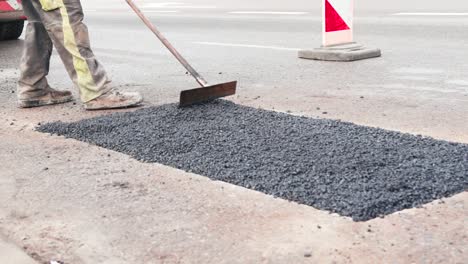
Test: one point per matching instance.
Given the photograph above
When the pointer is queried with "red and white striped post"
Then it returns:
(8, 5)
(337, 35)
(11, 10)
(337, 22)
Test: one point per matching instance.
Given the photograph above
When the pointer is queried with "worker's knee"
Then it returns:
(30, 11)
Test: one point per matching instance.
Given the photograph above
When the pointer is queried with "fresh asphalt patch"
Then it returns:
(352, 170)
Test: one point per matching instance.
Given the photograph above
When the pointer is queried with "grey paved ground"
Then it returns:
(131, 212)
(423, 69)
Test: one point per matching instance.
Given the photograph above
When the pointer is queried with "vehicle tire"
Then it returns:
(11, 30)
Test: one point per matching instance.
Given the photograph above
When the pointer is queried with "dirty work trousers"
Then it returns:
(59, 23)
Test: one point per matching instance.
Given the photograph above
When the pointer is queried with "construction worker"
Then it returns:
(59, 23)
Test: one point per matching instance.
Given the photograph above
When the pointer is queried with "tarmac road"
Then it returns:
(419, 86)
(362, 6)
(66, 200)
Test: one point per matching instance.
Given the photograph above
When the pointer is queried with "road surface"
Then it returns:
(419, 86)
(66, 200)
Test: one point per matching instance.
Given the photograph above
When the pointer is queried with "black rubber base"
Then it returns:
(11, 30)
(352, 170)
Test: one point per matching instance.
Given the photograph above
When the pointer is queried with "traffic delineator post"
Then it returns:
(337, 35)
(337, 22)
(10, 5)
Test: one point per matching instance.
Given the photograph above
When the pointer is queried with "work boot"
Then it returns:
(113, 100)
(50, 97)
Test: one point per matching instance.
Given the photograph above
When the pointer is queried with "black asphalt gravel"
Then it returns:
(344, 168)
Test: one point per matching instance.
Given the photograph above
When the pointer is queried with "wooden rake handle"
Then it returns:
(200, 80)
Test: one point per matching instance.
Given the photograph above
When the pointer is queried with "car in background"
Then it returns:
(11, 19)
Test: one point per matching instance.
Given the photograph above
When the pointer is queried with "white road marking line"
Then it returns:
(459, 83)
(245, 46)
(267, 13)
(401, 86)
(418, 71)
(166, 3)
(174, 5)
(430, 14)
(161, 11)
(124, 9)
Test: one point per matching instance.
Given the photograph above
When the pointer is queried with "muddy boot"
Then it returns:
(113, 100)
(50, 97)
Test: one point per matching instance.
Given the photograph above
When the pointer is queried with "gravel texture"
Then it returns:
(352, 170)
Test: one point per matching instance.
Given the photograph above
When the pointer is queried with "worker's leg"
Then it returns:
(63, 19)
(33, 89)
